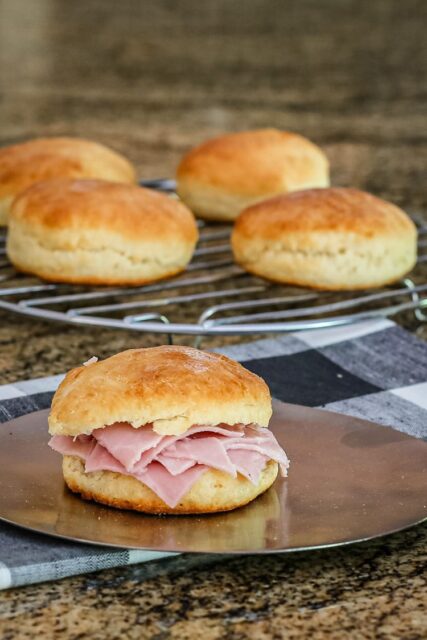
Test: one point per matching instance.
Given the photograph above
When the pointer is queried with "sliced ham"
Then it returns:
(126, 443)
(154, 453)
(170, 488)
(209, 451)
(135, 448)
(170, 465)
(248, 463)
(68, 446)
(264, 442)
(175, 466)
(100, 459)
(237, 430)
(167, 441)
(263, 448)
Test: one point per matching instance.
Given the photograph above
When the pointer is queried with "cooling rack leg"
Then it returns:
(418, 312)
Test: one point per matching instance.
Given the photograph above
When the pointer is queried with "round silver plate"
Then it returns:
(349, 480)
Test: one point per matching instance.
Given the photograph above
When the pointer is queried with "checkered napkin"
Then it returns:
(373, 370)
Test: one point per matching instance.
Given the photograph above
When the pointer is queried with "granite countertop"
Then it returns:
(151, 79)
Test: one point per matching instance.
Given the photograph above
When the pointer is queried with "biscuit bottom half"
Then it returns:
(214, 491)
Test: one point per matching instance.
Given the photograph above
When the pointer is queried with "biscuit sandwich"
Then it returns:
(166, 430)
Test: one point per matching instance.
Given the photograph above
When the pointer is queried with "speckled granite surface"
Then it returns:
(375, 590)
(151, 79)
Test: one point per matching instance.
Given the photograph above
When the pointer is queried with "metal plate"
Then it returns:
(349, 480)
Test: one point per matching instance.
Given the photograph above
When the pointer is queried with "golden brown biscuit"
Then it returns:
(171, 387)
(223, 176)
(22, 165)
(327, 239)
(98, 232)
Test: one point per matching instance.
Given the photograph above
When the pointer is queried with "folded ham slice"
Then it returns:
(170, 465)
(209, 451)
(100, 459)
(248, 463)
(125, 443)
(159, 480)
(80, 446)
(175, 466)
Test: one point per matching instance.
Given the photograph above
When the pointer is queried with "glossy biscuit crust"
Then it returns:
(226, 174)
(214, 491)
(332, 239)
(99, 232)
(173, 388)
(24, 164)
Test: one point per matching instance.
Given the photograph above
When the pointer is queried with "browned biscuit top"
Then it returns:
(171, 387)
(96, 205)
(322, 210)
(21, 165)
(253, 162)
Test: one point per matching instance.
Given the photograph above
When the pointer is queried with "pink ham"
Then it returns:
(209, 451)
(248, 463)
(265, 444)
(170, 465)
(175, 466)
(170, 488)
(68, 446)
(237, 430)
(100, 459)
(166, 442)
(154, 453)
(136, 448)
(126, 443)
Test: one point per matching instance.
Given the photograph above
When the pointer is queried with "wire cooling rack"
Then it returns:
(214, 296)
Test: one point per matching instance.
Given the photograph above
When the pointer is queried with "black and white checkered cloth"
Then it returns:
(372, 370)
